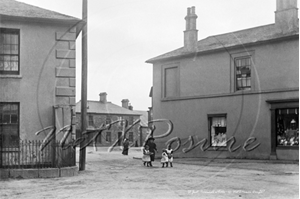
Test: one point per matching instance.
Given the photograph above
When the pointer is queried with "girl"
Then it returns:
(170, 155)
(146, 156)
(164, 158)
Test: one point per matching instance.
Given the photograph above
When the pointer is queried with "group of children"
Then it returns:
(167, 157)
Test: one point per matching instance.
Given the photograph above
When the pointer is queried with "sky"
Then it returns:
(123, 34)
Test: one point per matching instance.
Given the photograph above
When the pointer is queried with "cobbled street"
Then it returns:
(112, 175)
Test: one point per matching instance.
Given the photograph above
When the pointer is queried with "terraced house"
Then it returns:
(104, 112)
(233, 95)
(37, 76)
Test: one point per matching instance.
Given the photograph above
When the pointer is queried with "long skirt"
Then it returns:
(152, 157)
(125, 151)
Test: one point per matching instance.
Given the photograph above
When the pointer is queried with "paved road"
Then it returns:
(112, 175)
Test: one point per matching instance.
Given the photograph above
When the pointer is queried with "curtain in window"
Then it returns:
(218, 131)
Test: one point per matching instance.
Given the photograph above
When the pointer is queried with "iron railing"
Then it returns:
(27, 154)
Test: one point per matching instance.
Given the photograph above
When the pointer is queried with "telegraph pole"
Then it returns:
(82, 152)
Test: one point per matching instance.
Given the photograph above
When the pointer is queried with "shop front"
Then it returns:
(284, 129)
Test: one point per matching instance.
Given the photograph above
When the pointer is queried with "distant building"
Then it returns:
(37, 72)
(104, 112)
(238, 89)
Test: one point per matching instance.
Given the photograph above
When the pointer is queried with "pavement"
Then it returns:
(113, 175)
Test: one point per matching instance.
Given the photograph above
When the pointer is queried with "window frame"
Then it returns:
(242, 87)
(130, 120)
(277, 113)
(177, 80)
(278, 104)
(209, 124)
(17, 124)
(108, 119)
(130, 137)
(91, 120)
(108, 136)
(12, 31)
(233, 72)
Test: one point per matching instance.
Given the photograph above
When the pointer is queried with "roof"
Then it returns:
(14, 8)
(230, 40)
(105, 108)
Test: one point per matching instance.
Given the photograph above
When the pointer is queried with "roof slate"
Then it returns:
(229, 40)
(18, 9)
(105, 108)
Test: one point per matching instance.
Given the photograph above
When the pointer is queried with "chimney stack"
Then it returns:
(286, 15)
(125, 103)
(191, 33)
(103, 97)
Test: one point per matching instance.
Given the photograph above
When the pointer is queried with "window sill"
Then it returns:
(243, 91)
(217, 148)
(10, 76)
(295, 147)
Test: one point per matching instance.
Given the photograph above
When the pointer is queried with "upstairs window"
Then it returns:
(108, 119)
(243, 73)
(171, 82)
(130, 120)
(91, 120)
(9, 51)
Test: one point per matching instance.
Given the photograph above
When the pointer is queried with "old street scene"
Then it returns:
(149, 99)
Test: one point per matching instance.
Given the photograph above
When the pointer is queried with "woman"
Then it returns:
(152, 148)
(125, 146)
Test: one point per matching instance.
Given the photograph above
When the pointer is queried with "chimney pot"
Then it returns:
(191, 32)
(130, 107)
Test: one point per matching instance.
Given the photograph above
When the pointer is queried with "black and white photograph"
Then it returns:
(139, 99)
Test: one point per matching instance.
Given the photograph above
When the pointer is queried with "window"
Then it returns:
(108, 137)
(121, 121)
(287, 126)
(9, 51)
(130, 120)
(108, 119)
(217, 130)
(130, 137)
(91, 120)
(243, 73)
(9, 125)
(171, 79)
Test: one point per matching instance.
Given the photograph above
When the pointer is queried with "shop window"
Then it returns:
(130, 137)
(108, 137)
(287, 126)
(9, 51)
(243, 73)
(9, 125)
(217, 130)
